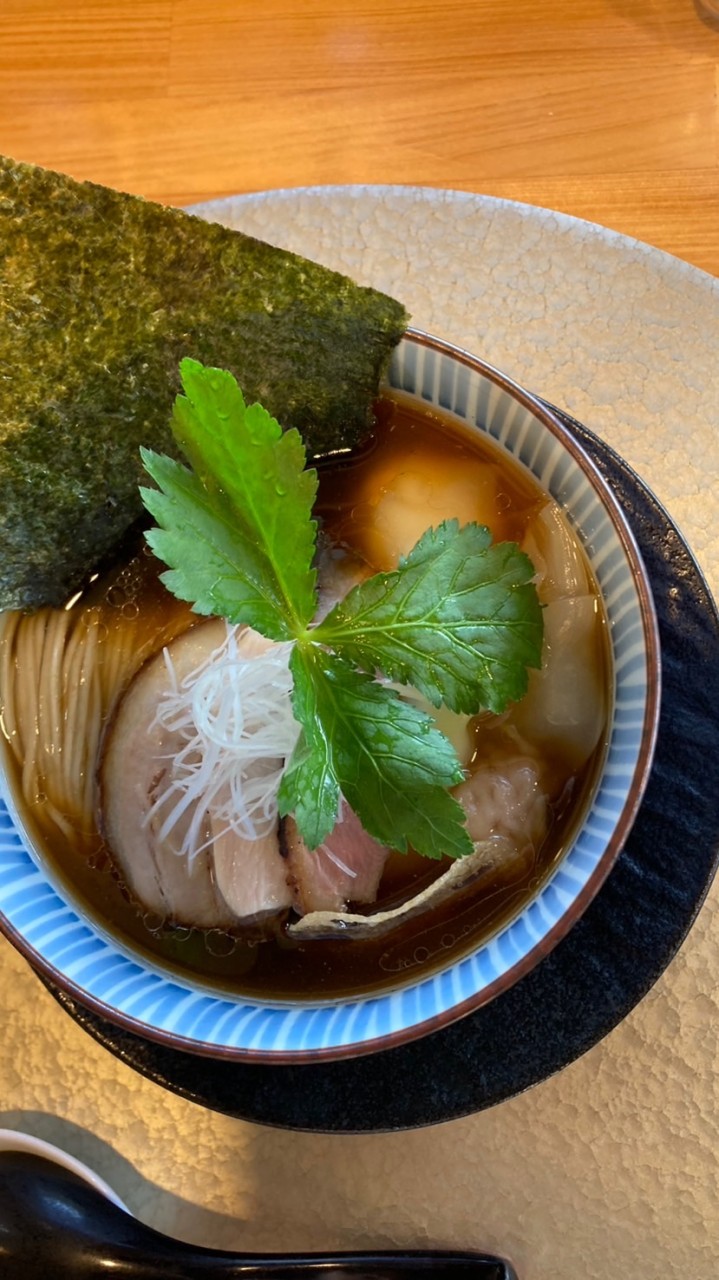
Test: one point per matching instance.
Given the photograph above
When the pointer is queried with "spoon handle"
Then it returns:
(431, 1264)
(54, 1224)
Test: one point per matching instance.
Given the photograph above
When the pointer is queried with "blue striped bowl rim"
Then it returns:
(49, 928)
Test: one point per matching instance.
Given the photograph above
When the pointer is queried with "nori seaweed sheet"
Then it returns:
(101, 295)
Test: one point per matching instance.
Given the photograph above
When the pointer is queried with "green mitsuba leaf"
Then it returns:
(310, 786)
(459, 619)
(248, 503)
(383, 755)
(198, 538)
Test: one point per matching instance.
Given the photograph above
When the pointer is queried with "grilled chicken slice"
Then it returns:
(251, 875)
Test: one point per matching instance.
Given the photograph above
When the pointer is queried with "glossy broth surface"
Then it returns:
(438, 467)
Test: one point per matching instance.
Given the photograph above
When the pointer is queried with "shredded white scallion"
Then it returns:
(233, 723)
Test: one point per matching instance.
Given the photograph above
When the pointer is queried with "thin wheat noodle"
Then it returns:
(50, 718)
(73, 654)
(75, 661)
(22, 687)
(116, 653)
(50, 704)
(11, 710)
(41, 748)
(53, 816)
(92, 743)
(9, 623)
(30, 712)
(121, 658)
(86, 701)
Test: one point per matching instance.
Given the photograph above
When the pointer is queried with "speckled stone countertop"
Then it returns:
(611, 1167)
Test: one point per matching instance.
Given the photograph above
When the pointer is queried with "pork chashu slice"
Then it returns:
(346, 867)
(227, 883)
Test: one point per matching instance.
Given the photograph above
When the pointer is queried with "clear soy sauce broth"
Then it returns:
(127, 615)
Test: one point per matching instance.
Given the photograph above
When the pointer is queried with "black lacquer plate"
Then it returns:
(592, 979)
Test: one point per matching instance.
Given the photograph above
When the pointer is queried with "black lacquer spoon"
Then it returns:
(52, 1223)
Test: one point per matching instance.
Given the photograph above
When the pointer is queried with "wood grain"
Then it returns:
(605, 109)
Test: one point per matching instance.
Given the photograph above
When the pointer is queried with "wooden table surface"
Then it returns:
(605, 109)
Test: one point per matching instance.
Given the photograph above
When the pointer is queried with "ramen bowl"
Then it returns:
(51, 925)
